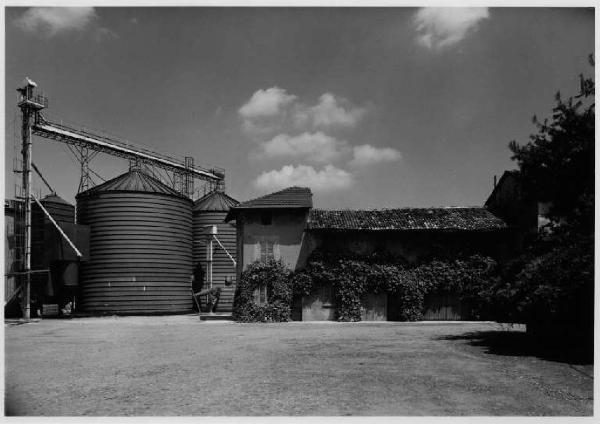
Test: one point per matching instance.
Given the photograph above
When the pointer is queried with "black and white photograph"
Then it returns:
(299, 210)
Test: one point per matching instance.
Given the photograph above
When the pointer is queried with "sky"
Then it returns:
(370, 107)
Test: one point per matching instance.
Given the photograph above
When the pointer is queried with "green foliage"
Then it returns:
(275, 276)
(558, 285)
(553, 281)
(353, 277)
(557, 163)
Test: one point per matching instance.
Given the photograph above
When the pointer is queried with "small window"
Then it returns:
(260, 295)
(326, 295)
(266, 250)
(266, 218)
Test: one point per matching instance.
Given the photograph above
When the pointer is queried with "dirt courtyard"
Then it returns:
(178, 365)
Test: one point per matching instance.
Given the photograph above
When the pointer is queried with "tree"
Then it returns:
(553, 283)
(557, 164)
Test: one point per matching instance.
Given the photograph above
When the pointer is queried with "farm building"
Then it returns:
(284, 225)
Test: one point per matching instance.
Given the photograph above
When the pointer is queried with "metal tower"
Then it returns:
(30, 104)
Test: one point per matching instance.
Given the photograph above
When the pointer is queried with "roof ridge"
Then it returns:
(306, 190)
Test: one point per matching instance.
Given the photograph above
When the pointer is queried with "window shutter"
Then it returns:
(276, 251)
(257, 251)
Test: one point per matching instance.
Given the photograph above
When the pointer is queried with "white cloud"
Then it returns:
(53, 20)
(327, 179)
(443, 27)
(366, 155)
(264, 103)
(315, 147)
(275, 110)
(331, 111)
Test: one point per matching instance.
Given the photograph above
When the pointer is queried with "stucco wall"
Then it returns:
(286, 231)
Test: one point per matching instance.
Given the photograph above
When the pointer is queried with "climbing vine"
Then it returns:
(274, 276)
(352, 277)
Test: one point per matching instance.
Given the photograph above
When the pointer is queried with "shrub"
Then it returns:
(558, 286)
(275, 276)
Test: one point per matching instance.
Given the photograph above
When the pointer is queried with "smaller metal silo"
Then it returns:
(60, 210)
(47, 286)
(208, 211)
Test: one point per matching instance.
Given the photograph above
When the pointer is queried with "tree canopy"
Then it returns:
(557, 164)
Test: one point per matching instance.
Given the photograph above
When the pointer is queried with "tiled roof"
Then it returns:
(132, 181)
(449, 219)
(291, 197)
(215, 201)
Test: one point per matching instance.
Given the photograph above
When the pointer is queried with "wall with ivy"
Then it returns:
(275, 276)
(470, 278)
(354, 276)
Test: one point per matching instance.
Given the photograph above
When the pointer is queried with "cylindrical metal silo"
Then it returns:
(61, 211)
(140, 247)
(211, 210)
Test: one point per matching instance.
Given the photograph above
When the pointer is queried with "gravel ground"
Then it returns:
(178, 365)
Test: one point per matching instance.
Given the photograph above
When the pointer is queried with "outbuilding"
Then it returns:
(284, 225)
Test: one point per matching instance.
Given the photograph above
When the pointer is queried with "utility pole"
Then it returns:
(29, 104)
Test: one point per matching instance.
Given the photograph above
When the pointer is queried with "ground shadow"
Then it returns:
(517, 343)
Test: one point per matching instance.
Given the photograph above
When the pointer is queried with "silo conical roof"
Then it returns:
(54, 198)
(134, 180)
(215, 201)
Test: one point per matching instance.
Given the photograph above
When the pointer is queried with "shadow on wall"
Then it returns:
(517, 343)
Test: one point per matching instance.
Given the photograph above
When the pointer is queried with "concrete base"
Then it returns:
(215, 316)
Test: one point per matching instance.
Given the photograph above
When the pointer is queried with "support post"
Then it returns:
(84, 181)
(209, 256)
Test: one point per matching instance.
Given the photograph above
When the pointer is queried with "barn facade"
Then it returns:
(284, 225)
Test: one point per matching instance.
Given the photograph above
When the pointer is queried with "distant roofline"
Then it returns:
(505, 174)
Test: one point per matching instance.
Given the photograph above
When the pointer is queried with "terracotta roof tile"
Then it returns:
(291, 197)
(450, 219)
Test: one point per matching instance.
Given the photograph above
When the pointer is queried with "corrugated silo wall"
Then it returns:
(140, 253)
(222, 265)
(61, 213)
